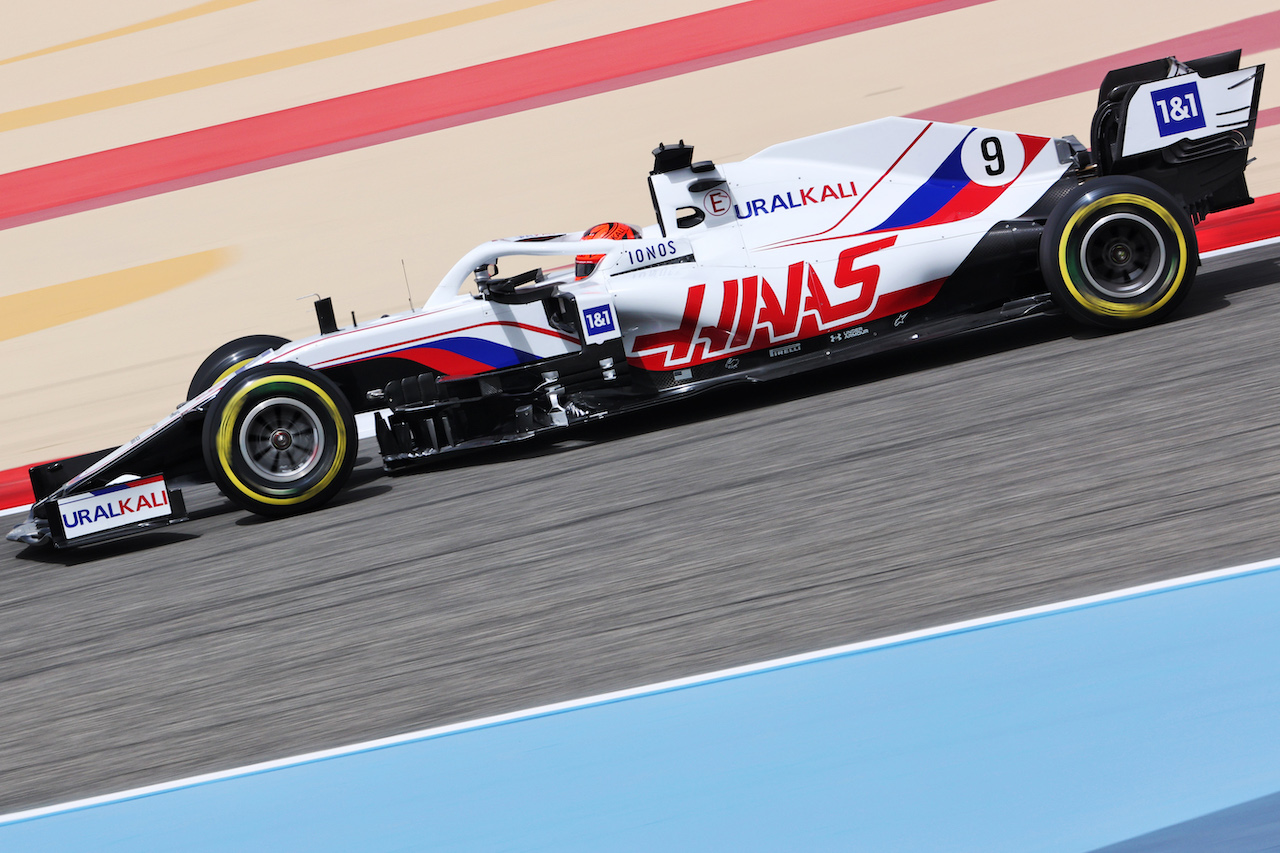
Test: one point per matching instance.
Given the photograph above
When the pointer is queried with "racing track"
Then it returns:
(1005, 470)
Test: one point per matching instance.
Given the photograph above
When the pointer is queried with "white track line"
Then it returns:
(660, 687)
(1232, 250)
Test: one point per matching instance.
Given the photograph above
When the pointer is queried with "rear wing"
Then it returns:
(1184, 126)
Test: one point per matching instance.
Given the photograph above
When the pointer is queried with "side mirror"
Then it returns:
(484, 274)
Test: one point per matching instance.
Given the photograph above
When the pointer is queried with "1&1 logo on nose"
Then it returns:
(599, 320)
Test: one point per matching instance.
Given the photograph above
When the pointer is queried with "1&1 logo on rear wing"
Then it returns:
(1191, 107)
(1177, 109)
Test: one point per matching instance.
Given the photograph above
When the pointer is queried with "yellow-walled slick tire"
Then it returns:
(229, 358)
(1118, 252)
(280, 439)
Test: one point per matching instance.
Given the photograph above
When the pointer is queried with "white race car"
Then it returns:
(811, 252)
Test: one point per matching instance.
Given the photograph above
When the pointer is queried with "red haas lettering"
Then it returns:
(717, 337)
(746, 317)
(752, 316)
(847, 276)
(680, 340)
(780, 319)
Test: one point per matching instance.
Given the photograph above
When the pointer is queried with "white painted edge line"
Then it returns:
(659, 687)
(1231, 250)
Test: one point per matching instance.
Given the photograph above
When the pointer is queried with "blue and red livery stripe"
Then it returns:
(949, 195)
(460, 355)
(941, 187)
(106, 490)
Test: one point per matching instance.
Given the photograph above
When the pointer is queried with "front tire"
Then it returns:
(280, 439)
(229, 358)
(1118, 252)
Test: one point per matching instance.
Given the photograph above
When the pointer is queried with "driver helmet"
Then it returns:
(584, 265)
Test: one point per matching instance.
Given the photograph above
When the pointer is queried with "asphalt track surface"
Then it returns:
(1002, 470)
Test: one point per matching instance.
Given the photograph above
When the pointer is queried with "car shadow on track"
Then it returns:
(733, 400)
(116, 548)
(1213, 288)
(360, 487)
(1210, 294)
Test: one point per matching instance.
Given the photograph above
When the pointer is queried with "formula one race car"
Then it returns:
(808, 253)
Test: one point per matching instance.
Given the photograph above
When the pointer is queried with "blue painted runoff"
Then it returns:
(1067, 731)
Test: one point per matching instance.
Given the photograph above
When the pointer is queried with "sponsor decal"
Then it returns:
(849, 334)
(717, 202)
(652, 252)
(1178, 109)
(753, 315)
(114, 506)
(599, 320)
(794, 199)
(787, 350)
(900, 319)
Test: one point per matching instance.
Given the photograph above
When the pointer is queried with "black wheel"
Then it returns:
(1118, 252)
(280, 439)
(229, 358)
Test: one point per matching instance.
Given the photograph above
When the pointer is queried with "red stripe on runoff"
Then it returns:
(1252, 35)
(1258, 221)
(506, 86)
(15, 486)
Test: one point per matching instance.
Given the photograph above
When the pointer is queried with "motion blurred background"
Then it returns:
(174, 175)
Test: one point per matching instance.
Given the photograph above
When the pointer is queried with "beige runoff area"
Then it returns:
(341, 225)
(260, 56)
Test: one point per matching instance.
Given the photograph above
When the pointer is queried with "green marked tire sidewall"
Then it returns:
(226, 418)
(1171, 275)
(1062, 242)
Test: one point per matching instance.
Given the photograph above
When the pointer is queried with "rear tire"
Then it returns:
(229, 358)
(280, 439)
(1118, 252)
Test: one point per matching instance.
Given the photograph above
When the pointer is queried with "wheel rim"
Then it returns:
(281, 439)
(1123, 256)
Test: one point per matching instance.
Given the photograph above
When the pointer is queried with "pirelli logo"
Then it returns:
(787, 350)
